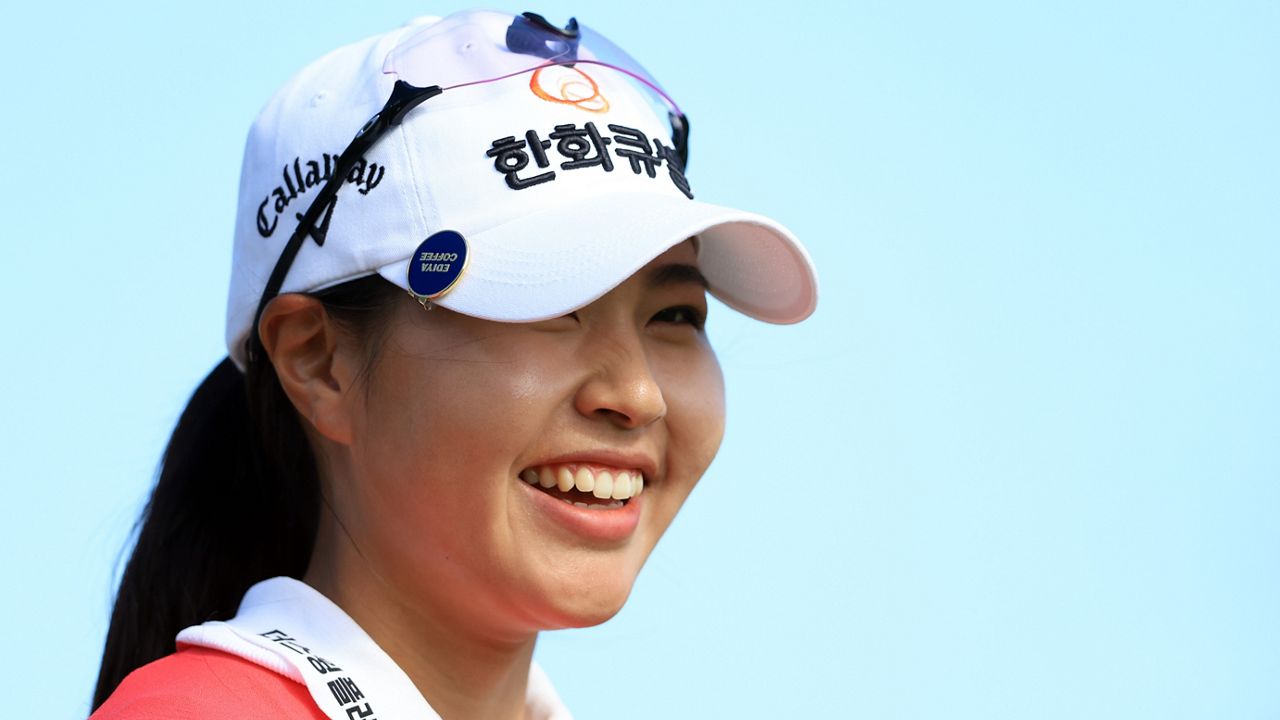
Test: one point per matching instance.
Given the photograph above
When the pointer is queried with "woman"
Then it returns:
(468, 388)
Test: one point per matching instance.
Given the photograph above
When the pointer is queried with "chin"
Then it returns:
(586, 603)
(586, 615)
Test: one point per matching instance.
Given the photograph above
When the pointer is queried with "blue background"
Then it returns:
(1023, 462)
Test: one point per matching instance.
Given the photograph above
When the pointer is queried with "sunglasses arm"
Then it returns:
(404, 97)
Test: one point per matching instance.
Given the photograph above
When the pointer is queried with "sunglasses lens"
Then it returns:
(475, 47)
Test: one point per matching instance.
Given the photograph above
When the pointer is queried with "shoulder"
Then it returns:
(202, 684)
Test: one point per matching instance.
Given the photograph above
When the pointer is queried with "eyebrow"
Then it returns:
(677, 274)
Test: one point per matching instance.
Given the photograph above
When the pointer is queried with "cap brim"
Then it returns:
(555, 261)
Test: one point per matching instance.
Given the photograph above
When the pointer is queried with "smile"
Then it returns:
(593, 488)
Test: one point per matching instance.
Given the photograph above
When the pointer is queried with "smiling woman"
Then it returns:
(462, 403)
(458, 410)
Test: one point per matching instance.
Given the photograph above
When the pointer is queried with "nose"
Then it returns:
(621, 387)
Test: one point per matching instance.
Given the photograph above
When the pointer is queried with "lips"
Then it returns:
(594, 500)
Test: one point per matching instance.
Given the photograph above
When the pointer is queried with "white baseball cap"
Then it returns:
(558, 170)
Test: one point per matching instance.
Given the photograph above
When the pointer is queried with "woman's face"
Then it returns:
(464, 420)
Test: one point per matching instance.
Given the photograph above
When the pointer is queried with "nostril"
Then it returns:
(612, 415)
(641, 418)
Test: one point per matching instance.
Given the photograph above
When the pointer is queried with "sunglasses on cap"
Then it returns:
(465, 49)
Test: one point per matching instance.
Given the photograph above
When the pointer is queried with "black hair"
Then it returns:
(236, 501)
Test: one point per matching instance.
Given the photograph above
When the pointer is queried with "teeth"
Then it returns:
(621, 486)
(604, 486)
(564, 479)
(587, 506)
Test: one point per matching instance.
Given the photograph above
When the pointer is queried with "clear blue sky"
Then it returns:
(1024, 462)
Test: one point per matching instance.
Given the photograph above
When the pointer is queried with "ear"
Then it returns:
(312, 362)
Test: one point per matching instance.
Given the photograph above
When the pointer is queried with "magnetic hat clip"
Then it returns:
(437, 264)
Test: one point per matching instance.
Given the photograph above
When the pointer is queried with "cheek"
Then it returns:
(695, 424)
(436, 447)
(702, 418)
(478, 406)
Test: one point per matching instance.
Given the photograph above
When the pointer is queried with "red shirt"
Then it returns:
(198, 683)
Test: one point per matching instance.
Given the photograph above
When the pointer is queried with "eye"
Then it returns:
(681, 315)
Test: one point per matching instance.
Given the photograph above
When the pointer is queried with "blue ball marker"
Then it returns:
(437, 264)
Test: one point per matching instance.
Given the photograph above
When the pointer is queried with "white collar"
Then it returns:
(286, 626)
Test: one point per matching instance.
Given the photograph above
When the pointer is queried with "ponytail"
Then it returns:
(237, 501)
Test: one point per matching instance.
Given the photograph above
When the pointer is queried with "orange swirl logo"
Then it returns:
(568, 86)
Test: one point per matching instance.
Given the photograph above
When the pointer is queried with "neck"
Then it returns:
(461, 671)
